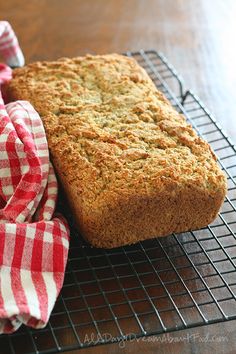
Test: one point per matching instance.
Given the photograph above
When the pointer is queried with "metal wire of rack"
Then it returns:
(152, 287)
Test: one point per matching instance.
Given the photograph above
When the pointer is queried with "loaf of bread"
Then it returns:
(131, 166)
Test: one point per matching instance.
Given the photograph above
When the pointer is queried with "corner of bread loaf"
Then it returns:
(120, 219)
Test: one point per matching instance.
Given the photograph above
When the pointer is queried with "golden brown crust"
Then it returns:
(130, 164)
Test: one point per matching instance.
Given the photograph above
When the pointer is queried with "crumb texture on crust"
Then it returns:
(113, 136)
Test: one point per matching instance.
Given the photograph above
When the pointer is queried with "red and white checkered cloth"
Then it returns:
(33, 242)
(9, 46)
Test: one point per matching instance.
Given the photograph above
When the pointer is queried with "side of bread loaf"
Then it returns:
(131, 166)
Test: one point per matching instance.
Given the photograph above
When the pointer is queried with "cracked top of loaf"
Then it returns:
(110, 132)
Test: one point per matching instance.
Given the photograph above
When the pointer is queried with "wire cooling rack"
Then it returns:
(160, 285)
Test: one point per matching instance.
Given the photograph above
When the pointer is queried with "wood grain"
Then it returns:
(197, 36)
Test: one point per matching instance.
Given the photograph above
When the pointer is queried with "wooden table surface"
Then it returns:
(197, 36)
